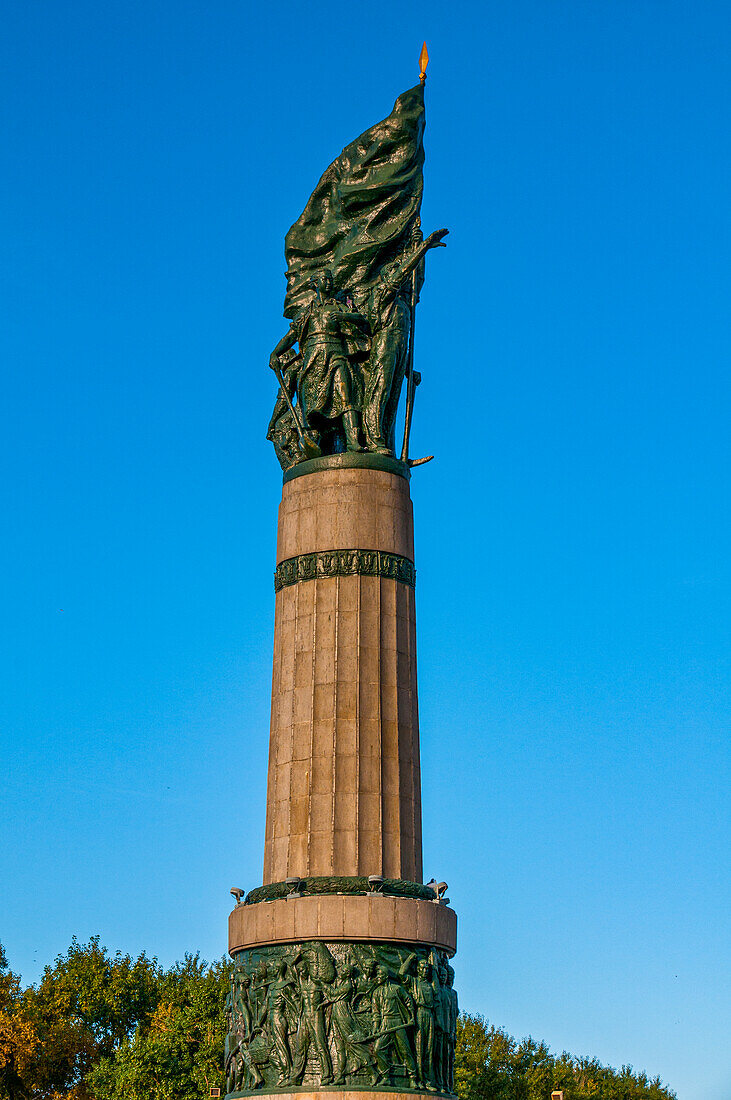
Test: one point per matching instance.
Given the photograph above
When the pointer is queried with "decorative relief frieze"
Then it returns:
(344, 563)
(369, 1016)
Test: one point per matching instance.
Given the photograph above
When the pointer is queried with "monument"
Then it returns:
(341, 979)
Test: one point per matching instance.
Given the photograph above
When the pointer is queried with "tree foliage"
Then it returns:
(177, 1053)
(492, 1065)
(109, 1027)
(19, 1042)
(82, 1009)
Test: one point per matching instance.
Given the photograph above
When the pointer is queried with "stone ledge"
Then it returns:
(377, 918)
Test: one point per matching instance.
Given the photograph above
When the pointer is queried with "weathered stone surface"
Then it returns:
(346, 509)
(343, 794)
(376, 917)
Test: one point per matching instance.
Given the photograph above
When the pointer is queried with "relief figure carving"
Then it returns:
(393, 1016)
(315, 1014)
(312, 1027)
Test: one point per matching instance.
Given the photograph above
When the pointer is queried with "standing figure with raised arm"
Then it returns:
(393, 1015)
(389, 311)
(422, 991)
(312, 1028)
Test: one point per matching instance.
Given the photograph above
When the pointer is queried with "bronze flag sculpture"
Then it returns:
(354, 270)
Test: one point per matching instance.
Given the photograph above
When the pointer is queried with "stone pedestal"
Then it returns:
(341, 978)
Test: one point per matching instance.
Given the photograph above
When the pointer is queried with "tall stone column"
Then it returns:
(344, 786)
(341, 976)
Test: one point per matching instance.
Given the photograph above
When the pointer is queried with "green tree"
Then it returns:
(83, 1008)
(178, 1053)
(492, 1065)
(19, 1041)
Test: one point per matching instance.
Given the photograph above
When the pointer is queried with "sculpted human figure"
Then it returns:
(441, 1024)
(393, 1014)
(279, 1003)
(351, 1052)
(258, 987)
(241, 1029)
(367, 978)
(282, 430)
(416, 977)
(244, 1027)
(312, 1028)
(389, 311)
(454, 1013)
(422, 992)
(443, 1018)
(230, 1043)
(330, 385)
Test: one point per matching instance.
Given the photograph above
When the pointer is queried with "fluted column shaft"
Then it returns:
(344, 792)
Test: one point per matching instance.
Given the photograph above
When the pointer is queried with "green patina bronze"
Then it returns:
(332, 884)
(357, 1016)
(355, 268)
(348, 460)
(344, 563)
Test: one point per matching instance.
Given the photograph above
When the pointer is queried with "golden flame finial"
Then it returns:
(423, 62)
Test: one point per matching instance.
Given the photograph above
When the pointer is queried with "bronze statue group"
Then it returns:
(340, 390)
(351, 1015)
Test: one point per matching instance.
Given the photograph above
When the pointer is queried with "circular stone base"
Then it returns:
(375, 918)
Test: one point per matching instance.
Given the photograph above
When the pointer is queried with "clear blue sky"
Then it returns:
(572, 535)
